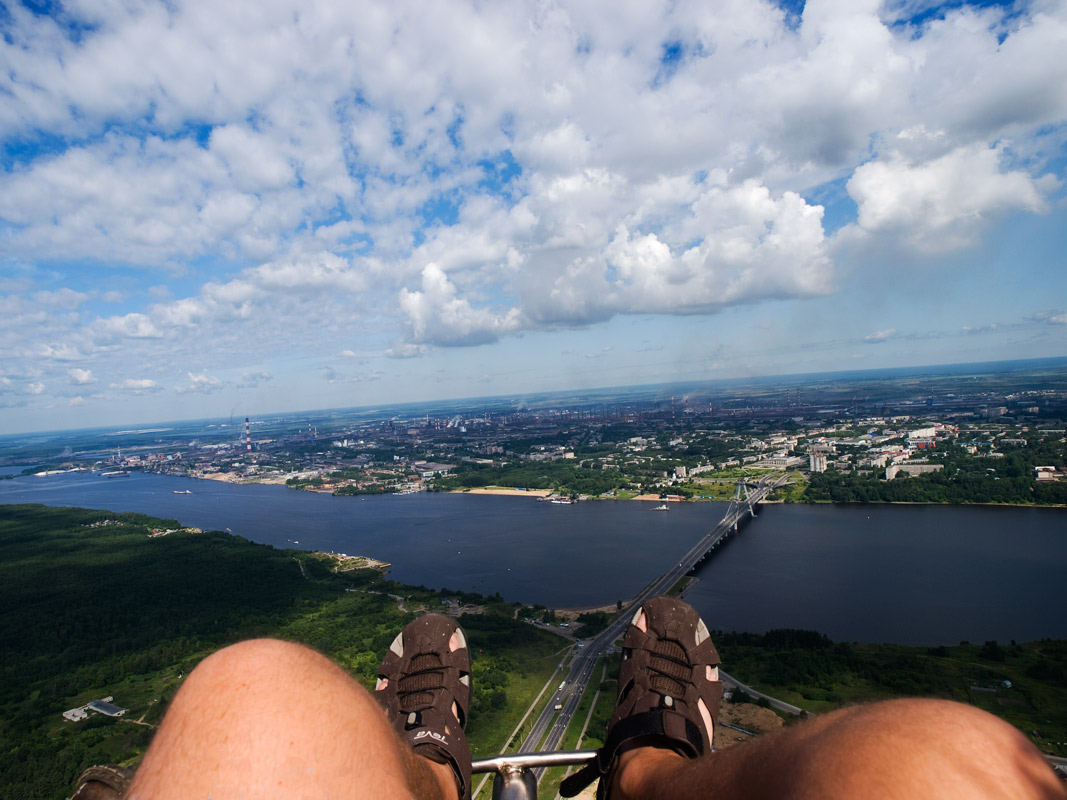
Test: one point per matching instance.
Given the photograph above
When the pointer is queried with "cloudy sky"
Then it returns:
(209, 208)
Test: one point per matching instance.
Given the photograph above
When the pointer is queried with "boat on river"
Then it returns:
(661, 508)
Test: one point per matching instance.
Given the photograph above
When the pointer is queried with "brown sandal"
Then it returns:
(669, 691)
(103, 782)
(425, 688)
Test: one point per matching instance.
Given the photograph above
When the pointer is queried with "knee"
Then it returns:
(258, 661)
(268, 676)
(927, 727)
(923, 744)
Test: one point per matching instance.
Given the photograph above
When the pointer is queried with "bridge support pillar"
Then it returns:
(742, 486)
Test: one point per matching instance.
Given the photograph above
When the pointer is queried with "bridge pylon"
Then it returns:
(742, 487)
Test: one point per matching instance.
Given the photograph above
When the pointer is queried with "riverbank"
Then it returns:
(506, 491)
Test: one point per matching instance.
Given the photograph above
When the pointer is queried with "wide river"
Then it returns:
(904, 574)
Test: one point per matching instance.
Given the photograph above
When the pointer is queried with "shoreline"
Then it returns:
(504, 491)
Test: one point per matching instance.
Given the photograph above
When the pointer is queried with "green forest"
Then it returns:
(89, 610)
(1026, 684)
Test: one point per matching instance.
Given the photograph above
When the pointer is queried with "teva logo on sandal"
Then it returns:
(432, 735)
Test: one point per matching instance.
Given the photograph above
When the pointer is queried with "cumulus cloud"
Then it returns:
(200, 382)
(60, 351)
(81, 377)
(437, 315)
(944, 203)
(127, 326)
(406, 350)
(304, 177)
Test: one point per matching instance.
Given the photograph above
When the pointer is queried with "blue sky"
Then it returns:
(209, 208)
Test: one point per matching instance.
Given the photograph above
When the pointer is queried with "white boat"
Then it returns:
(184, 491)
(661, 508)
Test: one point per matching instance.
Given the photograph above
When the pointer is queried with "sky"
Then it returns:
(209, 209)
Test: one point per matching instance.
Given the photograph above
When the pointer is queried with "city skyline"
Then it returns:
(209, 210)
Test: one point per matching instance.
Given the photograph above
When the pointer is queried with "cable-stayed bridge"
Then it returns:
(747, 496)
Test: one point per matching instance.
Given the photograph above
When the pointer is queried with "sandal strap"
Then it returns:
(659, 727)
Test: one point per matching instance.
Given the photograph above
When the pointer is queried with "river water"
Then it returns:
(904, 574)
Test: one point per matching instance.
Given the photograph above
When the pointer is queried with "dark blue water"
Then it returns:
(903, 574)
(906, 574)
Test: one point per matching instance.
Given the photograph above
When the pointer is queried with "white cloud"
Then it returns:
(35, 388)
(60, 352)
(944, 203)
(305, 179)
(128, 326)
(881, 336)
(406, 350)
(137, 386)
(200, 382)
(81, 377)
(748, 246)
(437, 315)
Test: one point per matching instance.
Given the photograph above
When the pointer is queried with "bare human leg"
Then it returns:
(895, 749)
(271, 719)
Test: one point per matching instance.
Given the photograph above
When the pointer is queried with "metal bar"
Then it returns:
(556, 758)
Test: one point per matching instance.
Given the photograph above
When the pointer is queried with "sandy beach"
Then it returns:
(508, 492)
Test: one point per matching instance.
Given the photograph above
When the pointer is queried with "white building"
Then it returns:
(817, 462)
(910, 469)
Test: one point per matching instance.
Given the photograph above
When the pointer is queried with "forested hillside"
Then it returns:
(92, 606)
